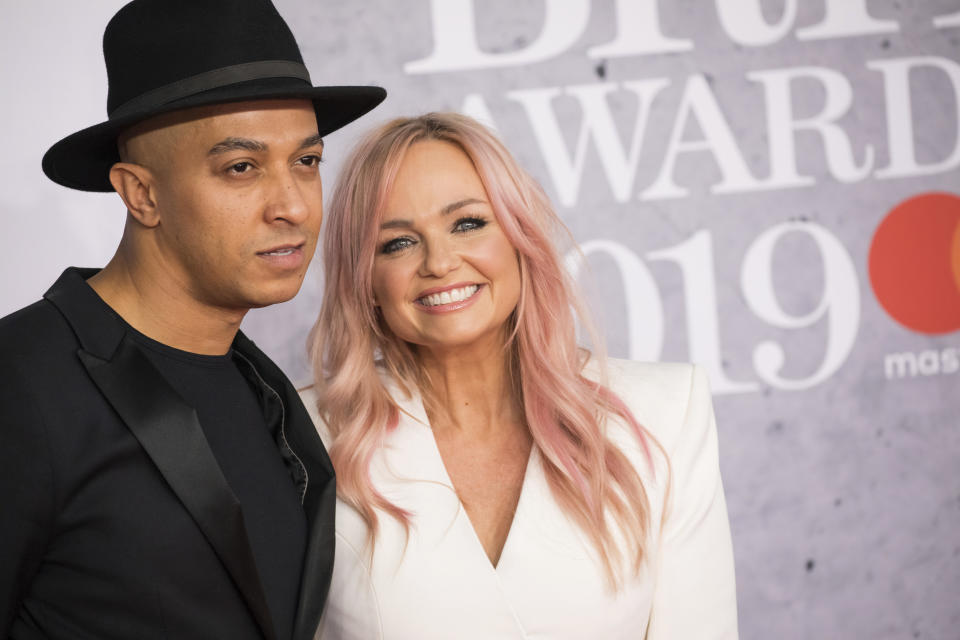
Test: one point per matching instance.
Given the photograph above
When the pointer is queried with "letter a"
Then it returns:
(699, 101)
(619, 163)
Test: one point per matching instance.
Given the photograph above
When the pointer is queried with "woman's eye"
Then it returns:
(469, 224)
(395, 245)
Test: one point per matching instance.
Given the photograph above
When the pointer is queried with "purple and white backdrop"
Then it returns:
(770, 188)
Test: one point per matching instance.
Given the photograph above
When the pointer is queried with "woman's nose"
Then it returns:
(439, 258)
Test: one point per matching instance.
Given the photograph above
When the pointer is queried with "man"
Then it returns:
(160, 477)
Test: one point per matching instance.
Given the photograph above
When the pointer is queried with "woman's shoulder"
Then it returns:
(406, 401)
(655, 376)
(661, 395)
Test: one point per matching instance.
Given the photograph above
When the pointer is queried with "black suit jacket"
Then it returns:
(115, 520)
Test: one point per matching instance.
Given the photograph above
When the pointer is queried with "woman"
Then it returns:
(493, 481)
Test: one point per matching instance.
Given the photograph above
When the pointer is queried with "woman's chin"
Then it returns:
(489, 341)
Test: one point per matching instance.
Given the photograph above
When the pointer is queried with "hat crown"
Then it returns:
(153, 43)
(169, 55)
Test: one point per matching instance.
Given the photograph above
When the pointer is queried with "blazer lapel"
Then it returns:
(319, 505)
(167, 429)
(319, 501)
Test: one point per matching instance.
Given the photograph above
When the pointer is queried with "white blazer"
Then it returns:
(547, 584)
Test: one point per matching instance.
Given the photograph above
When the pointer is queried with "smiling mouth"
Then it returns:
(448, 297)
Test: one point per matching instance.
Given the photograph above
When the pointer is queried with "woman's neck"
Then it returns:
(471, 390)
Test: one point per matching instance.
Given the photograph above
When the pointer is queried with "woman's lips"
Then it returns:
(452, 299)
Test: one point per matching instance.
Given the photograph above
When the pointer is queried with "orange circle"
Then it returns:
(914, 263)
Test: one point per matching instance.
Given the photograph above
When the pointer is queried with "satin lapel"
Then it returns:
(319, 505)
(319, 502)
(170, 433)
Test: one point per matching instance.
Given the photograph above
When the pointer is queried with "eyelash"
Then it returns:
(248, 165)
(313, 156)
(232, 168)
(399, 244)
(479, 223)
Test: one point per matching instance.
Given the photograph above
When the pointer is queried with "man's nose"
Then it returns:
(291, 199)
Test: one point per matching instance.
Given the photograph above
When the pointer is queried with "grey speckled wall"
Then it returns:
(726, 166)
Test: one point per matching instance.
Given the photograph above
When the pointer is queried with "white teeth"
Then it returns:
(279, 252)
(446, 297)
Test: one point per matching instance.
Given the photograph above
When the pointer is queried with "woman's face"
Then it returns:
(445, 275)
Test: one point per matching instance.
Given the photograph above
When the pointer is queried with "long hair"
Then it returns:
(565, 411)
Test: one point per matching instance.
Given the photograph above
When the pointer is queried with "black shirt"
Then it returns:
(237, 432)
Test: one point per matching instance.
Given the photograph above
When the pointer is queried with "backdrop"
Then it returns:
(766, 187)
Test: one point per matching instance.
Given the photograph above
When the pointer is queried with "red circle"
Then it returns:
(914, 263)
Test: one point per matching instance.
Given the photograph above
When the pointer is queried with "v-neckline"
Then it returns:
(513, 521)
(464, 515)
(419, 414)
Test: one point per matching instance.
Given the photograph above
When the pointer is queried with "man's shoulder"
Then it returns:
(38, 357)
(33, 330)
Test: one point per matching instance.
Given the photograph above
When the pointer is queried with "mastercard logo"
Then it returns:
(914, 263)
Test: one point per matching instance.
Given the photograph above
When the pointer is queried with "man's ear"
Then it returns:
(136, 186)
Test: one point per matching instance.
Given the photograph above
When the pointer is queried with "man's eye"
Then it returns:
(395, 245)
(240, 167)
(311, 160)
(469, 224)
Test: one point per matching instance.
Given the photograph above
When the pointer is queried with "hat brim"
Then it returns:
(83, 160)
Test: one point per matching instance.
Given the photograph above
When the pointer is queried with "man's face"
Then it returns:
(239, 201)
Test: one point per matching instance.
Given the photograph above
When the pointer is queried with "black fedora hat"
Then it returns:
(166, 55)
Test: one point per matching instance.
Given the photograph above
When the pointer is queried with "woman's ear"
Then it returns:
(136, 186)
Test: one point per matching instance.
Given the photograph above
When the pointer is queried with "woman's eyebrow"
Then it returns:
(453, 206)
(403, 223)
(397, 223)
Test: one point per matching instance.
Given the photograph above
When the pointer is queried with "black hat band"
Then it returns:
(212, 80)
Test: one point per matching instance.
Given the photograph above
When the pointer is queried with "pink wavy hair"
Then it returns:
(565, 411)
